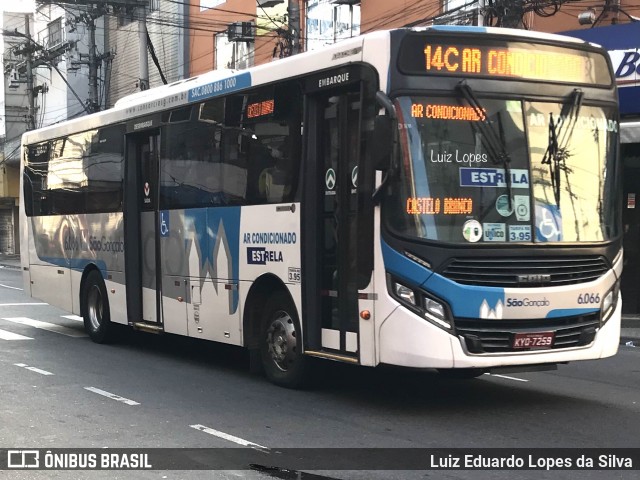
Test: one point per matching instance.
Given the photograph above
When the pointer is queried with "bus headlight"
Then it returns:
(609, 303)
(405, 293)
(421, 303)
(436, 313)
(434, 308)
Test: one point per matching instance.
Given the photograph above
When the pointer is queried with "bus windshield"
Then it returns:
(504, 171)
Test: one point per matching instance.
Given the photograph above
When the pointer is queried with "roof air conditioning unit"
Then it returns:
(240, 32)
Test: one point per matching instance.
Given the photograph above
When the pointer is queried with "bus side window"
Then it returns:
(36, 170)
(189, 164)
(233, 168)
(80, 173)
(277, 179)
(274, 153)
(260, 160)
(104, 168)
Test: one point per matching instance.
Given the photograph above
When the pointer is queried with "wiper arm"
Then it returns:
(552, 158)
(576, 103)
(493, 142)
(556, 153)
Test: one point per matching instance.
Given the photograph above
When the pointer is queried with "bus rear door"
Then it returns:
(141, 229)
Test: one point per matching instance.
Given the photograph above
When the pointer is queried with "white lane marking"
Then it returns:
(230, 438)
(507, 377)
(73, 317)
(112, 396)
(33, 369)
(4, 335)
(50, 327)
(7, 286)
(21, 304)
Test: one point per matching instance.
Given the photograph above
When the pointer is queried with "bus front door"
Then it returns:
(141, 230)
(330, 312)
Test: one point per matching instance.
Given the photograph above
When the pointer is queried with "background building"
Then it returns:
(147, 42)
(14, 113)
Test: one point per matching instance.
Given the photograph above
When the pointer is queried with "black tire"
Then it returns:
(96, 314)
(461, 373)
(281, 343)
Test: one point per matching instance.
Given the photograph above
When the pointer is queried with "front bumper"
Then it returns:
(404, 339)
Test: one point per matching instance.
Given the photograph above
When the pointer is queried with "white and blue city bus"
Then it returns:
(443, 197)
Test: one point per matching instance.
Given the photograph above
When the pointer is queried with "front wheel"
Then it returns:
(281, 343)
(96, 314)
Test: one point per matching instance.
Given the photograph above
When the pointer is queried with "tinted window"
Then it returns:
(81, 173)
(242, 150)
(195, 169)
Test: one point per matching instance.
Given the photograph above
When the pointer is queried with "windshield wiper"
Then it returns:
(493, 142)
(557, 153)
(552, 158)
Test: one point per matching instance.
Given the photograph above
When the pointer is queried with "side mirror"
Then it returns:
(382, 141)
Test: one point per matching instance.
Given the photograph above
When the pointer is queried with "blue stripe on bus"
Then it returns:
(220, 87)
(402, 267)
(217, 231)
(457, 28)
(78, 264)
(464, 300)
(570, 312)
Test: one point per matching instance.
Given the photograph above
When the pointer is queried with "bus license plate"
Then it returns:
(536, 340)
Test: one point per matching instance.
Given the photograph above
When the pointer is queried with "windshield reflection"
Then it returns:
(452, 186)
(574, 184)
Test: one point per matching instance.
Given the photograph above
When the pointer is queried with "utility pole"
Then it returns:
(293, 10)
(143, 81)
(142, 57)
(94, 105)
(28, 50)
(511, 13)
(92, 59)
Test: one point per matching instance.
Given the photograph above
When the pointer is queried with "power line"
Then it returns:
(200, 26)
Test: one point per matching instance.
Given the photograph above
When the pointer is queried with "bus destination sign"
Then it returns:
(437, 206)
(516, 60)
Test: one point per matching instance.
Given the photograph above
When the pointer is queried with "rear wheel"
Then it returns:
(461, 373)
(281, 343)
(97, 318)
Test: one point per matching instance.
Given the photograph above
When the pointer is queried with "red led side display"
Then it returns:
(259, 109)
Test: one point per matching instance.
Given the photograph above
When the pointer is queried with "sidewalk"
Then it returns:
(630, 323)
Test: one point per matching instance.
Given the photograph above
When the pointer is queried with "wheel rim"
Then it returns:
(94, 307)
(281, 340)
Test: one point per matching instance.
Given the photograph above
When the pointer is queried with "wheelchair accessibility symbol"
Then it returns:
(549, 221)
(164, 224)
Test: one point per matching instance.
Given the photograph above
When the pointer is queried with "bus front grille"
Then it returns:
(525, 272)
(495, 336)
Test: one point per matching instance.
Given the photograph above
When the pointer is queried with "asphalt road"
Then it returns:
(58, 389)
